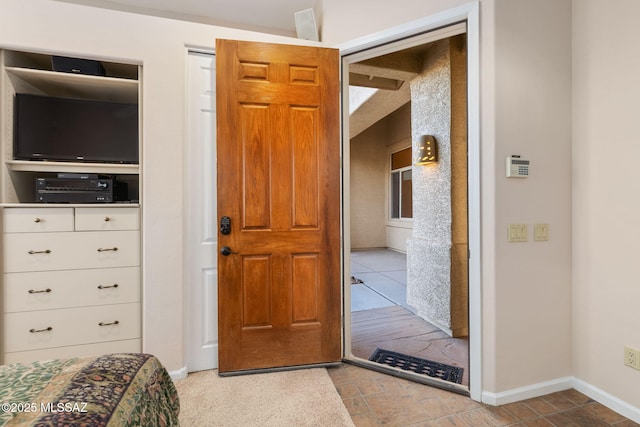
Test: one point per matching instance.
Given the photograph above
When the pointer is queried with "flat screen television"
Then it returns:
(74, 130)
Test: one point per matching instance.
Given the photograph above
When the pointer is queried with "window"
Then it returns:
(401, 191)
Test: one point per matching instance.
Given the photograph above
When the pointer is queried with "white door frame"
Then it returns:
(468, 13)
(201, 234)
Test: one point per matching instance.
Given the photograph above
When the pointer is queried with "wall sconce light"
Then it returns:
(427, 150)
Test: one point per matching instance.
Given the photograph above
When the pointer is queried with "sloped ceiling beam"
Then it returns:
(390, 74)
(379, 105)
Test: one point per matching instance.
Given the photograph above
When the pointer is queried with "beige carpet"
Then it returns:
(304, 397)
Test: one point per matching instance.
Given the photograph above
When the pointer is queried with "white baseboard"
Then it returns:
(179, 374)
(527, 392)
(536, 390)
(608, 400)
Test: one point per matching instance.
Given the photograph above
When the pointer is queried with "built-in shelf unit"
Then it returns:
(70, 283)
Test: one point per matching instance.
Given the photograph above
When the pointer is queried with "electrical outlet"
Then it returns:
(632, 357)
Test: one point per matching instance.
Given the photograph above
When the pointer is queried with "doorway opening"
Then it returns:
(407, 250)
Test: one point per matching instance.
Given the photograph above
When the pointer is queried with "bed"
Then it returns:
(128, 389)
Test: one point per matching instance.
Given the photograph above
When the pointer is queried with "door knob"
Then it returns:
(226, 250)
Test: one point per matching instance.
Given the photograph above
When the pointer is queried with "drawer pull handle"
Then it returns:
(37, 220)
(107, 219)
(46, 251)
(115, 285)
(115, 322)
(35, 331)
(107, 249)
(31, 291)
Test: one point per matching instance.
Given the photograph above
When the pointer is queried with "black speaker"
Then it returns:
(77, 66)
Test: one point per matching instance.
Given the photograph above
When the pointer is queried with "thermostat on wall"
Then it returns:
(517, 167)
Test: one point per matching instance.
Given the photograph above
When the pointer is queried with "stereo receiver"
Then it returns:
(74, 190)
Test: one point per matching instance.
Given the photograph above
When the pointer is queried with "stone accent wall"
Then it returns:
(437, 252)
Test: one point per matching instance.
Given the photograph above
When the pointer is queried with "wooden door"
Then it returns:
(278, 156)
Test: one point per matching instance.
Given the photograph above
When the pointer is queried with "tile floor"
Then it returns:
(381, 317)
(384, 273)
(397, 329)
(374, 399)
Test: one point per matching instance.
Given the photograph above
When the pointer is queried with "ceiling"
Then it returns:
(387, 81)
(266, 16)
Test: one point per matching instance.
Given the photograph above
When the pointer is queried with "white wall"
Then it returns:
(373, 16)
(533, 119)
(159, 45)
(525, 109)
(606, 207)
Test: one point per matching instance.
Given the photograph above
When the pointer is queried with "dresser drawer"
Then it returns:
(69, 251)
(74, 288)
(85, 350)
(72, 326)
(38, 220)
(104, 219)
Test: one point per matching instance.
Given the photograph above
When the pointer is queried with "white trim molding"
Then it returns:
(608, 400)
(461, 19)
(527, 392)
(540, 389)
(180, 374)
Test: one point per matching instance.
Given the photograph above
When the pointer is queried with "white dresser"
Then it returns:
(71, 282)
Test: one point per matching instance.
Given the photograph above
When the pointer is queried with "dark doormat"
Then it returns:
(419, 366)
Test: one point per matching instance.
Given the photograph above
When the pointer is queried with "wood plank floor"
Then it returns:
(397, 329)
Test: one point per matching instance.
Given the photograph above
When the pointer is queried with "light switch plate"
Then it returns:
(540, 232)
(518, 233)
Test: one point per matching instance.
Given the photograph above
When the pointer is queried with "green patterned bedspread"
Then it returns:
(113, 390)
